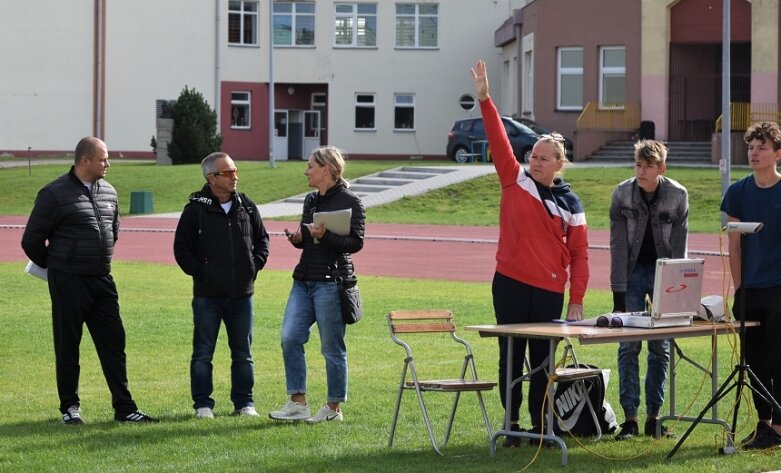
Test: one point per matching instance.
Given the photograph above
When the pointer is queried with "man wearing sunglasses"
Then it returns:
(649, 216)
(221, 242)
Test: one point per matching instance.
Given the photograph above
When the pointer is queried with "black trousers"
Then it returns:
(762, 353)
(91, 300)
(516, 303)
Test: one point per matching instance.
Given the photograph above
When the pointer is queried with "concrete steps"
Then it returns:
(390, 185)
(694, 152)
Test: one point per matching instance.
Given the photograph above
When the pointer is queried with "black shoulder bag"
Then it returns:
(350, 298)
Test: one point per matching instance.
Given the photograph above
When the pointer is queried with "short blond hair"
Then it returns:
(651, 152)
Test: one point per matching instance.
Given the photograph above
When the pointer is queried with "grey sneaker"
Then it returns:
(246, 411)
(291, 411)
(204, 413)
(326, 414)
(72, 416)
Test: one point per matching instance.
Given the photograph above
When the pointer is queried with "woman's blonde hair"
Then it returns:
(332, 158)
(555, 139)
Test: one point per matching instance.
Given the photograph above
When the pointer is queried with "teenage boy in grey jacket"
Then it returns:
(648, 220)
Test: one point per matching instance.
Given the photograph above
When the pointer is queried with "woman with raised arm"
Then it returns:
(542, 246)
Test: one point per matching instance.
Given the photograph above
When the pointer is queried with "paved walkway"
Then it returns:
(382, 187)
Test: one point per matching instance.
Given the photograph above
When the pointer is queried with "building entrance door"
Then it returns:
(280, 135)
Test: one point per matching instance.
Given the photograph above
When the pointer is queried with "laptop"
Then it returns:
(676, 297)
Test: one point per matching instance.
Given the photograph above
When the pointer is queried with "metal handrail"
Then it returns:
(743, 114)
(619, 116)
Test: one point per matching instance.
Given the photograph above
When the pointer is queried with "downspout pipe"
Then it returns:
(99, 70)
(217, 70)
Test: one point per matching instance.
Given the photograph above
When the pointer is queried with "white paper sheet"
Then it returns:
(34, 270)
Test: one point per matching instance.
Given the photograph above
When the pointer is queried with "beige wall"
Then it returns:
(46, 74)
(154, 48)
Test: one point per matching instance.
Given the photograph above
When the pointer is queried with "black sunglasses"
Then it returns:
(614, 322)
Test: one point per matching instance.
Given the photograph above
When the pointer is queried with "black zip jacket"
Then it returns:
(332, 255)
(80, 228)
(222, 252)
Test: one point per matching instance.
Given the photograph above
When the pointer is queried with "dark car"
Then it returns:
(462, 137)
(541, 130)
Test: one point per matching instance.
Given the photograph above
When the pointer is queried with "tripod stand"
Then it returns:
(742, 370)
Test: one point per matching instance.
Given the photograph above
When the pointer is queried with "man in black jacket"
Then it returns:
(221, 242)
(71, 232)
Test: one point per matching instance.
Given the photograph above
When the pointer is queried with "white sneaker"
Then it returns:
(291, 411)
(326, 414)
(246, 411)
(204, 413)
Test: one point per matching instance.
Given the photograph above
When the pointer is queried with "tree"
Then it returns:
(193, 136)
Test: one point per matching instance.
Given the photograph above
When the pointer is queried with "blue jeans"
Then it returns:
(208, 312)
(310, 302)
(640, 283)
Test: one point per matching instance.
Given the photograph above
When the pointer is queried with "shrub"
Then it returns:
(194, 135)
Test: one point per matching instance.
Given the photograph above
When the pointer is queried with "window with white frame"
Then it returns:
(417, 25)
(403, 112)
(570, 75)
(355, 25)
(364, 111)
(528, 82)
(243, 22)
(318, 101)
(294, 23)
(240, 109)
(612, 76)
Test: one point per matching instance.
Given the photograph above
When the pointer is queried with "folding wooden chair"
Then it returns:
(431, 322)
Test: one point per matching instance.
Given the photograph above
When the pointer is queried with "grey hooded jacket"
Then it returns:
(629, 214)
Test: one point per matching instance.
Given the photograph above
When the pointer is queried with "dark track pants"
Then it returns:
(90, 300)
(762, 354)
(515, 303)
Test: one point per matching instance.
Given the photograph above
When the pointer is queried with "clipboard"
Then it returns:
(337, 221)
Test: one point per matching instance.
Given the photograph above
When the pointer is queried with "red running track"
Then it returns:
(457, 253)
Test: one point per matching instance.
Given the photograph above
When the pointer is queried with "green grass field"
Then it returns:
(473, 202)
(155, 302)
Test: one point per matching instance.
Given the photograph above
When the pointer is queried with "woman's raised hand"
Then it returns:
(480, 78)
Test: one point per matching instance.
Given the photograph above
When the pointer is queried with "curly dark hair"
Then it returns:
(764, 131)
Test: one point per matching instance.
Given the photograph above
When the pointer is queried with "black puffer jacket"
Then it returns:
(222, 252)
(320, 262)
(81, 229)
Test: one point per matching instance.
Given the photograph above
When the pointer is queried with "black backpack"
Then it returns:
(572, 413)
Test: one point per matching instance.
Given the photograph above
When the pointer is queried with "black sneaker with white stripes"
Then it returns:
(135, 417)
(72, 416)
